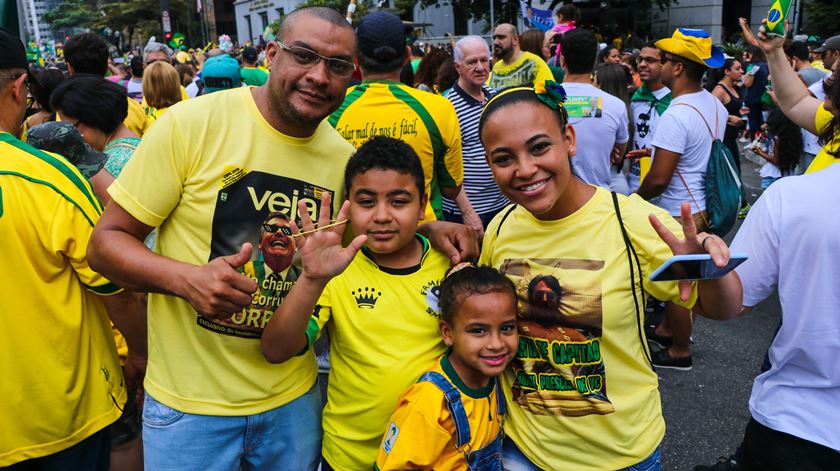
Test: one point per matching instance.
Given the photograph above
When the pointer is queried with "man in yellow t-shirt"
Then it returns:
(62, 383)
(513, 65)
(382, 106)
(207, 175)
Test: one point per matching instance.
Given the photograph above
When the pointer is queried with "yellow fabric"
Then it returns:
(616, 419)
(153, 114)
(824, 159)
(818, 64)
(421, 432)
(376, 352)
(136, 119)
(529, 69)
(427, 122)
(694, 48)
(208, 192)
(61, 378)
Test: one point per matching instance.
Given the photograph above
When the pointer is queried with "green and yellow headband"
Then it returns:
(549, 92)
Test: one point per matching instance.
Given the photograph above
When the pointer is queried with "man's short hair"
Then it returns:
(693, 70)
(458, 52)
(154, 46)
(579, 49)
(87, 53)
(385, 153)
(323, 13)
(94, 101)
(797, 49)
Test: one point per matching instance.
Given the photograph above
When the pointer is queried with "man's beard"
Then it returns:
(501, 53)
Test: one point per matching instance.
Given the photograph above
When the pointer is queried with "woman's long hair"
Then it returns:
(790, 140)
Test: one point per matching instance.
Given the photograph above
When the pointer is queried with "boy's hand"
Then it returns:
(320, 250)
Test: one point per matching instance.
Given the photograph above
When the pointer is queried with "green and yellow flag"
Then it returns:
(776, 17)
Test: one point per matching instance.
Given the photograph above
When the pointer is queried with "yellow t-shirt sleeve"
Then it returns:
(543, 72)
(414, 440)
(151, 184)
(823, 159)
(319, 317)
(450, 172)
(68, 219)
(136, 119)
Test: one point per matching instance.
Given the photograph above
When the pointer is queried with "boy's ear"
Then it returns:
(424, 200)
(445, 332)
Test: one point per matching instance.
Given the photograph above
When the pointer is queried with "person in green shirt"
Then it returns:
(251, 75)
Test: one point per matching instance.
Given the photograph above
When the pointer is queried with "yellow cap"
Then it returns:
(694, 45)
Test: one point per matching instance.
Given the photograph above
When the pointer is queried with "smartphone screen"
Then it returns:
(703, 269)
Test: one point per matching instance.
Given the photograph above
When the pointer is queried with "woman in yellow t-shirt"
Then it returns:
(581, 391)
(796, 102)
(161, 88)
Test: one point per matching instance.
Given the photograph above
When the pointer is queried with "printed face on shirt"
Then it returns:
(303, 95)
(277, 247)
(474, 66)
(528, 152)
(483, 336)
(650, 69)
(386, 206)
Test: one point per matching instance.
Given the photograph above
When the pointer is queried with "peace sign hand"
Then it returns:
(320, 248)
(693, 243)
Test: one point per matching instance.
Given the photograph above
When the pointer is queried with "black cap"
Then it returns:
(12, 52)
(381, 36)
(249, 54)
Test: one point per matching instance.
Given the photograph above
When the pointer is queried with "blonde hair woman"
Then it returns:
(161, 88)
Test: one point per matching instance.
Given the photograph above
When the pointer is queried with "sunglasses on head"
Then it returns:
(272, 228)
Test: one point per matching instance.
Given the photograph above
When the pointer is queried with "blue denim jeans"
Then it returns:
(515, 460)
(285, 438)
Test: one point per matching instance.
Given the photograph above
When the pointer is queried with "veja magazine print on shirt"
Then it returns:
(558, 368)
(256, 207)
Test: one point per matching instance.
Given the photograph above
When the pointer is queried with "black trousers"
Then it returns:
(765, 449)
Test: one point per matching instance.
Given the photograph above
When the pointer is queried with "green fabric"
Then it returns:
(253, 76)
(558, 73)
(644, 94)
(119, 152)
(447, 368)
(348, 100)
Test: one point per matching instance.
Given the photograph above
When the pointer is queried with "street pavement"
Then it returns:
(706, 409)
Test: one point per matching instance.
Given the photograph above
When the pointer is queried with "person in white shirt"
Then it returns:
(599, 119)
(647, 105)
(682, 143)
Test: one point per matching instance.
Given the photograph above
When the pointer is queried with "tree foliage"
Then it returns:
(821, 19)
(72, 14)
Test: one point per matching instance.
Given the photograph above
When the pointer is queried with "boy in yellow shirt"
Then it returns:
(378, 302)
(451, 418)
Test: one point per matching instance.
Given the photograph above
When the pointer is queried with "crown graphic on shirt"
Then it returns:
(366, 297)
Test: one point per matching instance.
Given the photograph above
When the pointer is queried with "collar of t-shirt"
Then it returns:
(488, 94)
(400, 271)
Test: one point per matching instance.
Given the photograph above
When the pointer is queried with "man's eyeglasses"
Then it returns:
(667, 58)
(650, 59)
(272, 228)
(309, 58)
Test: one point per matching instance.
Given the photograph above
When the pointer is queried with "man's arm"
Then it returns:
(468, 214)
(117, 251)
(127, 311)
(661, 171)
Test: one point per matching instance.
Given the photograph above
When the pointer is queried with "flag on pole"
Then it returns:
(536, 17)
(776, 17)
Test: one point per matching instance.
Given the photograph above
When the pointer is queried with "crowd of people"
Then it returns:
(469, 228)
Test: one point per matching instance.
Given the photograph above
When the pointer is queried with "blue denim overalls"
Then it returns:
(488, 458)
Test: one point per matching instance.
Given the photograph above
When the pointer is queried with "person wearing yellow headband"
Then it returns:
(581, 392)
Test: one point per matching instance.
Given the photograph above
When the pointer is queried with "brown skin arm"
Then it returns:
(117, 251)
(661, 171)
(127, 311)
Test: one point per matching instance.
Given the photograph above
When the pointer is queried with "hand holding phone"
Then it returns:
(695, 267)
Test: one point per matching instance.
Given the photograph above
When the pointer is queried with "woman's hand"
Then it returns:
(693, 243)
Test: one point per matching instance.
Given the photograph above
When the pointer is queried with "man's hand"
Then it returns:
(320, 249)
(638, 153)
(216, 290)
(135, 371)
(457, 241)
(769, 43)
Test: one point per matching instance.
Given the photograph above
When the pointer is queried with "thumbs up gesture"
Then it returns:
(216, 290)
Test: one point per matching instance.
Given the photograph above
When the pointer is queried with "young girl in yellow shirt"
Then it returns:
(451, 418)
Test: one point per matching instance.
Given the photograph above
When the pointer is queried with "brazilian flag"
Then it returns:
(177, 41)
(776, 17)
